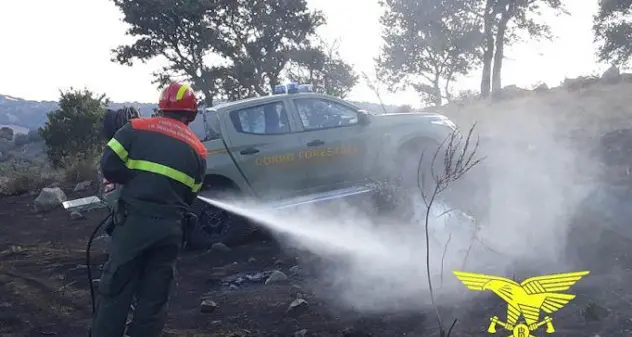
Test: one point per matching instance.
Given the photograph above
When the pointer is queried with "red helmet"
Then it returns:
(178, 97)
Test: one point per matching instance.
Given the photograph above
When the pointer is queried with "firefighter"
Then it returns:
(160, 164)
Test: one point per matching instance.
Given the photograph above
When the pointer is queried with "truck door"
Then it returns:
(265, 145)
(337, 144)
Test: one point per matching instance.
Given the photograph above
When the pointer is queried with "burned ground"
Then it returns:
(43, 288)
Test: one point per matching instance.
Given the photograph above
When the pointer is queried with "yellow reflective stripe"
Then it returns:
(183, 89)
(118, 149)
(144, 165)
(148, 166)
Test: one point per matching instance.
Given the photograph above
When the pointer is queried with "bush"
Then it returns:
(34, 136)
(73, 131)
(6, 133)
(78, 170)
(21, 139)
(23, 176)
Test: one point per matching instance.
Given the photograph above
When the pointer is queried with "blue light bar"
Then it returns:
(305, 88)
(292, 88)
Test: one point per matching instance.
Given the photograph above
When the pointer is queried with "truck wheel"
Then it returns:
(216, 225)
(401, 187)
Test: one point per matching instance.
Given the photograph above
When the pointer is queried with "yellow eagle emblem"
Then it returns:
(526, 299)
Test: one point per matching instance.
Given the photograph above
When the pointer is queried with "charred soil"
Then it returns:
(44, 290)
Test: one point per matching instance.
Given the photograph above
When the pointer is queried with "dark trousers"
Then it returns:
(143, 255)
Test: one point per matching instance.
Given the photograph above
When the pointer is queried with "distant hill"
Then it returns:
(21, 114)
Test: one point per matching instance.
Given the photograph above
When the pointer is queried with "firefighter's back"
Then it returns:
(166, 163)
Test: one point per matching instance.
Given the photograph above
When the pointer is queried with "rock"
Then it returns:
(277, 277)
(612, 75)
(49, 199)
(76, 216)
(301, 333)
(208, 306)
(233, 287)
(55, 184)
(297, 307)
(297, 292)
(82, 186)
(220, 247)
(295, 270)
(278, 262)
(252, 260)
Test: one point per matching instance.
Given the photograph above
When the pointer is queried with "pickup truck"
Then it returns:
(293, 148)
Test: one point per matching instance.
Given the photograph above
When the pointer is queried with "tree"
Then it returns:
(6, 133)
(323, 67)
(73, 131)
(427, 44)
(406, 108)
(503, 22)
(185, 34)
(612, 26)
(249, 41)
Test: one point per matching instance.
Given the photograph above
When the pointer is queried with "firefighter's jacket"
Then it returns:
(160, 163)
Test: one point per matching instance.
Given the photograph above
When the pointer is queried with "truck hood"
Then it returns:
(393, 119)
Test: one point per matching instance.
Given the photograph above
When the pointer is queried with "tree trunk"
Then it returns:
(499, 54)
(437, 91)
(488, 54)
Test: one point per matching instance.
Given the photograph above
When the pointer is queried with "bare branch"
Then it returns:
(458, 158)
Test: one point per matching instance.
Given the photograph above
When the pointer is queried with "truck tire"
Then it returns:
(216, 225)
(396, 195)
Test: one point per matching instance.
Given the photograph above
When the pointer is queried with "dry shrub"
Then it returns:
(78, 170)
(20, 175)
(23, 176)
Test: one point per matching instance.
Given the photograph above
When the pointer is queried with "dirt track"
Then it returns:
(43, 290)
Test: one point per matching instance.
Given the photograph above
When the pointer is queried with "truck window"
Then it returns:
(319, 113)
(205, 127)
(265, 119)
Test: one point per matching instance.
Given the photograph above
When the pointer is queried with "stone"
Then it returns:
(295, 270)
(276, 277)
(220, 247)
(208, 306)
(297, 307)
(76, 216)
(82, 186)
(49, 199)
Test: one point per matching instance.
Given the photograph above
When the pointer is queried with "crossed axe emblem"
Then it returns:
(521, 330)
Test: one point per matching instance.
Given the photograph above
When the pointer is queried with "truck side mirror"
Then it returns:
(363, 117)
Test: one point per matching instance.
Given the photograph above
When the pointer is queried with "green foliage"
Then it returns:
(250, 40)
(612, 26)
(322, 67)
(73, 130)
(6, 133)
(21, 139)
(427, 44)
(34, 136)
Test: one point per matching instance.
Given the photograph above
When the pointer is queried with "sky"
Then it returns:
(55, 45)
